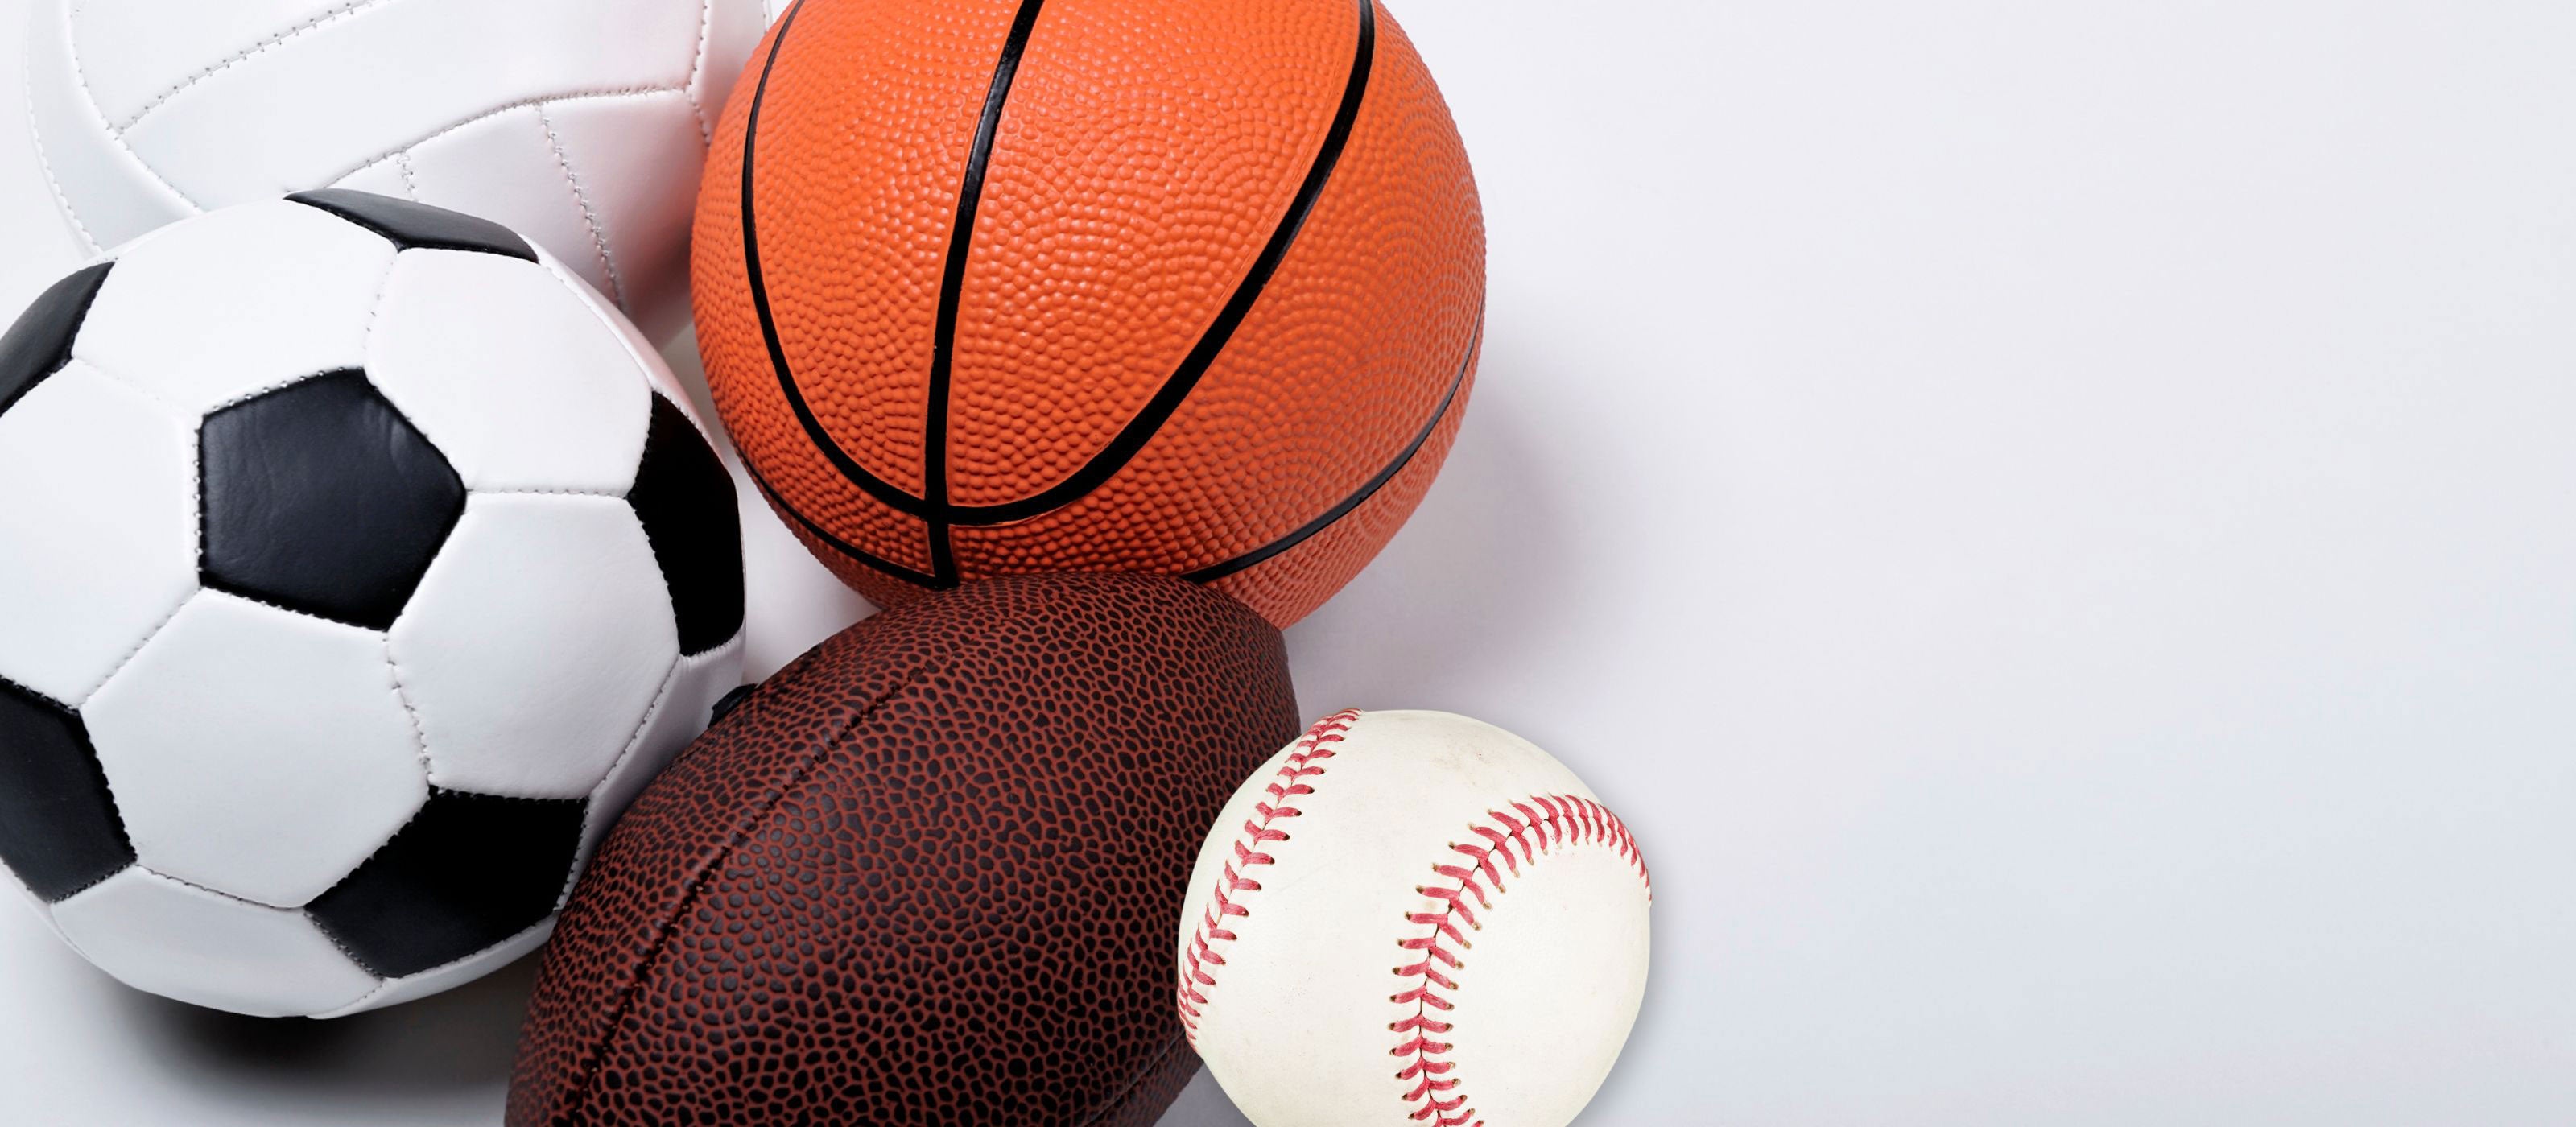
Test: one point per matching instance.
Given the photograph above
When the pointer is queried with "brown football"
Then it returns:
(923, 875)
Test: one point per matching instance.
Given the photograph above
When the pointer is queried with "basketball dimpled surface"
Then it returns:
(924, 875)
(1213, 310)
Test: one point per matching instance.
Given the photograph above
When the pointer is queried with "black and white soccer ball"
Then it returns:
(357, 565)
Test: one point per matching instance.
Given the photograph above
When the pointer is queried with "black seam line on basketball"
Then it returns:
(694, 886)
(952, 284)
(857, 474)
(862, 555)
(1258, 555)
(1167, 399)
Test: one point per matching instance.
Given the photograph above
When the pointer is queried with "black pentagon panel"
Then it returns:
(59, 830)
(468, 871)
(320, 497)
(686, 502)
(41, 342)
(418, 225)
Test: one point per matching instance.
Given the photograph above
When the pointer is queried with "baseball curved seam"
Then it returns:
(1534, 825)
(1201, 957)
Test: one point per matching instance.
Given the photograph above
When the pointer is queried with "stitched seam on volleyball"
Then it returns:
(1534, 826)
(1201, 957)
(266, 44)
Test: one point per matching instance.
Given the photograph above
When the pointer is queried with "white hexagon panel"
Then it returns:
(154, 933)
(301, 285)
(543, 395)
(536, 644)
(258, 752)
(682, 711)
(98, 508)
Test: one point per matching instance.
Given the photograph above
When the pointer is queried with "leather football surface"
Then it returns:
(926, 874)
(989, 287)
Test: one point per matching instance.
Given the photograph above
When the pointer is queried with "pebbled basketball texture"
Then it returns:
(993, 287)
(926, 874)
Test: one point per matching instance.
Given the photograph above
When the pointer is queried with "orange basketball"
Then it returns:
(1192, 287)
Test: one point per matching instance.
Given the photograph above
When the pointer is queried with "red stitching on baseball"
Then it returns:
(1258, 833)
(1546, 820)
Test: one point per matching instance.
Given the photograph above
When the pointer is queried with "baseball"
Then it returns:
(1413, 918)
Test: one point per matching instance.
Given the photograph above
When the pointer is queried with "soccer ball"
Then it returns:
(581, 123)
(360, 564)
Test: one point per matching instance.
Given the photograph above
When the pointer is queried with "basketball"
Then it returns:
(989, 288)
(925, 874)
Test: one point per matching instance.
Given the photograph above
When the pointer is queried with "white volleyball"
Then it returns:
(578, 123)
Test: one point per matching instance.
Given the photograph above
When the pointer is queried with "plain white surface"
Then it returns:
(2048, 519)
(256, 752)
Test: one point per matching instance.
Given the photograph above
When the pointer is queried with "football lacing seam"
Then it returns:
(1200, 957)
(1533, 826)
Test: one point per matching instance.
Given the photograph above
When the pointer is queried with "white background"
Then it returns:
(2052, 520)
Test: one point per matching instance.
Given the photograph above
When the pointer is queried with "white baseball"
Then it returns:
(1413, 918)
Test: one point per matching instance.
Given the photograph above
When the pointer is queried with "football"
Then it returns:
(1413, 918)
(579, 123)
(362, 564)
(923, 875)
